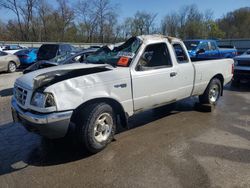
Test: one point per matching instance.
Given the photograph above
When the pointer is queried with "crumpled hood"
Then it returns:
(39, 65)
(39, 78)
(47, 62)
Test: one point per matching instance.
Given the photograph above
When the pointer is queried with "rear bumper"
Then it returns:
(53, 125)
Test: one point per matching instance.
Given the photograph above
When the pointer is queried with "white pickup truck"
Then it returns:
(145, 72)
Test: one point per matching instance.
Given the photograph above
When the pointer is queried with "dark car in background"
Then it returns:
(78, 57)
(50, 51)
(27, 57)
(241, 68)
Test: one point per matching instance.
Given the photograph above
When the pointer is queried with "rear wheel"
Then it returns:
(12, 67)
(96, 126)
(212, 93)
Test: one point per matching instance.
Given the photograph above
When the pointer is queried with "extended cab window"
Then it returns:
(180, 53)
(155, 56)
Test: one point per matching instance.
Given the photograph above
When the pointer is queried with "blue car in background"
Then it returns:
(27, 57)
(200, 49)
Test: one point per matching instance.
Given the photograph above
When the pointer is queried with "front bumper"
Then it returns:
(52, 125)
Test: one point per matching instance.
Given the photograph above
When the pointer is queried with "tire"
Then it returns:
(94, 136)
(212, 92)
(11, 67)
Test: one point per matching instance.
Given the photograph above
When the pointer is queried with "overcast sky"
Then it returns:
(127, 8)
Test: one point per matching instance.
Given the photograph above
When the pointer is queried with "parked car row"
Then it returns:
(14, 56)
(77, 57)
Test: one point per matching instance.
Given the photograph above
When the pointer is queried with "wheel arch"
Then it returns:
(221, 78)
(118, 108)
(12, 61)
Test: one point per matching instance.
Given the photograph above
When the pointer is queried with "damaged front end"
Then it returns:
(43, 80)
(30, 89)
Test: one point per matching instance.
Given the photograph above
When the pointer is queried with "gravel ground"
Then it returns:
(184, 147)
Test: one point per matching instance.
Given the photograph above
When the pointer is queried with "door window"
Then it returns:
(204, 46)
(155, 56)
(180, 53)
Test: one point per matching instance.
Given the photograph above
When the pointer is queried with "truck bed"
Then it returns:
(204, 72)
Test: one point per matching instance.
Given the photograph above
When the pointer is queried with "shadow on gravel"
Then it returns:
(6, 92)
(15, 145)
(66, 150)
(19, 149)
(242, 87)
(56, 152)
(223, 152)
(149, 116)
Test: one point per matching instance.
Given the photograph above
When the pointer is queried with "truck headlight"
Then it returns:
(43, 100)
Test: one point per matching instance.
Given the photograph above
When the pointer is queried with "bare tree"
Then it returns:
(27, 13)
(189, 22)
(170, 24)
(63, 17)
(44, 11)
(13, 6)
(87, 19)
(141, 23)
(103, 9)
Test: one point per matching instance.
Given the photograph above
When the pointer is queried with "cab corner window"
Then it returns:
(155, 56)
(180, 53)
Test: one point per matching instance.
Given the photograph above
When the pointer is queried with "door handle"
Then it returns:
(172, 74)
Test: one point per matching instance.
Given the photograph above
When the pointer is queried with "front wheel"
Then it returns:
(11, 67)
(212, 93)
(96, 126)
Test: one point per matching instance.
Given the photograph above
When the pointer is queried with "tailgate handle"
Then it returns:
(172, 74)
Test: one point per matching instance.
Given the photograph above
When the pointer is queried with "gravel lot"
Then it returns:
(181, 148)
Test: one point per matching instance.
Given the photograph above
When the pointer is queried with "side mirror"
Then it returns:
(200, 51)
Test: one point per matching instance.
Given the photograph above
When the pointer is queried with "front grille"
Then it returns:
(20, 95)
(243, 62)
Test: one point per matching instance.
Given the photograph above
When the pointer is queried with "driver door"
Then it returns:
(154, 78)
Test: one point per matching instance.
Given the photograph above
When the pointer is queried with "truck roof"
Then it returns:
(157, 37)
(201, 40)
